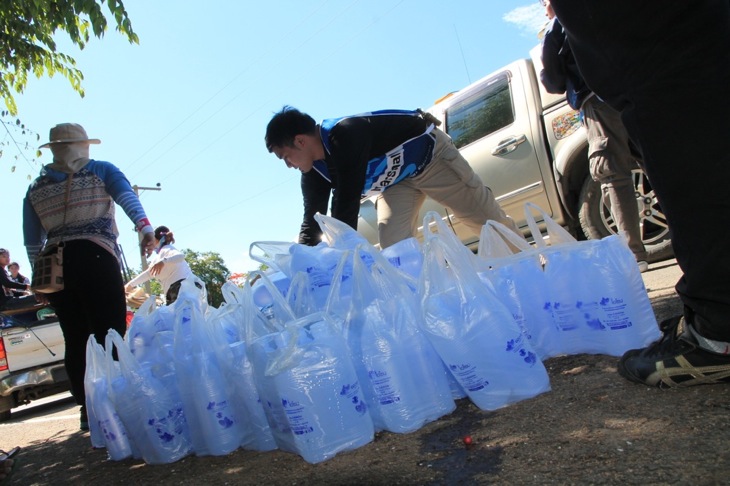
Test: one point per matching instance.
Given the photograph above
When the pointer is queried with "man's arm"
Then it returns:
(315, 195)
(553, 74)
(351, 145)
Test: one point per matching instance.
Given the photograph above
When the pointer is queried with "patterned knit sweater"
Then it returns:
(90, 211)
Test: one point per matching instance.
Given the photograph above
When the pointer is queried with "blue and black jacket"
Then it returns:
(364, 155)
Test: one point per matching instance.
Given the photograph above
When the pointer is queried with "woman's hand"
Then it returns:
(156, 268)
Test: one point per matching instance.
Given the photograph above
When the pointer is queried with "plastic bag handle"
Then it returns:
(128, 365)
(339, 234)
(269, 248)
(336, 280)
(148, 307)
(557, 233)
(494, 232)
(275, 294)
(231, 293)
(431, 219)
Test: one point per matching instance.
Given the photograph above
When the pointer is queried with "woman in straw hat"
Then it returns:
(72, 203)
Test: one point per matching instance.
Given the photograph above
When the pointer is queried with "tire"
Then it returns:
(5, 416)
(596, 221)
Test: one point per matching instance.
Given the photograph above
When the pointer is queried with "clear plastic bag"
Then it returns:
(201, 353)
(474, 333)
(404, 380)
(152, 414)
(310, 391)
(598, 300)
(520, 284)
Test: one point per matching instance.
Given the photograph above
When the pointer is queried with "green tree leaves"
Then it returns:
(27, 28)
(211, 269)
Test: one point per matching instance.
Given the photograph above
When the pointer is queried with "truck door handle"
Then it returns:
(508, 145)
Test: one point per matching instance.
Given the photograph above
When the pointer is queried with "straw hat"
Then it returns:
(68, 133)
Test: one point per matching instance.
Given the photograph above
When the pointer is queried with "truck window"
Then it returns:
(482, 113)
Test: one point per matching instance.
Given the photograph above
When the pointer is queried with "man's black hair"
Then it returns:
(287, 124)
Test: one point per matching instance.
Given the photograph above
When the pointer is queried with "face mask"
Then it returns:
(70, 157)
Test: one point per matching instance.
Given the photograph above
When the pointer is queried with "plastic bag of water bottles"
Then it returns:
(319, 263)
(152, 415)
(102, 429)
(216, 428)
(474, 333)
(404, 380)
(237, 312)
(338, 234)
(310, 390)
(597, 296)
(519, 282)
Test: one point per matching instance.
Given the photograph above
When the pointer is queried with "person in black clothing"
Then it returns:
(8, 302)
(398, 155)
(665, 65)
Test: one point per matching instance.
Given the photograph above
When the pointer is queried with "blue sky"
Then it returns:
(188, 106)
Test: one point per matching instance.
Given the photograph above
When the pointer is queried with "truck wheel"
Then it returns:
(596, 220)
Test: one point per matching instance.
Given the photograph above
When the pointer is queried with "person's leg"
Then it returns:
(398, 208)
(449, 179)
(611, 163)
(669, 65)
(92, 302)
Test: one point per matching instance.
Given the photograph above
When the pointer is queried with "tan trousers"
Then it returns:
(449, 180)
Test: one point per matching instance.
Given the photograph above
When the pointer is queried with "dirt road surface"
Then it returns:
(594, 427)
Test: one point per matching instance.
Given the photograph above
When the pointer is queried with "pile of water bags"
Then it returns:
(338, 341)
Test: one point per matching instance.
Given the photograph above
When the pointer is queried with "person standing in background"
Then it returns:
(665, 66)
(72, 202)
(609, 151)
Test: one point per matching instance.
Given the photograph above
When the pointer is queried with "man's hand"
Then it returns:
(147, 245)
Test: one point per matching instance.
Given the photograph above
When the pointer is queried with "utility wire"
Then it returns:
(211, 98)
(323, 59)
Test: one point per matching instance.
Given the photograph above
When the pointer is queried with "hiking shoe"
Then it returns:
(674, 360)
(84, 419)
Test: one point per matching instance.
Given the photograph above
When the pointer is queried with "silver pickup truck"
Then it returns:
(528, 145)
(31, 357)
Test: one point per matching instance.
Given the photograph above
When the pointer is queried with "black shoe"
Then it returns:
(84, 422)
(674, 360)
